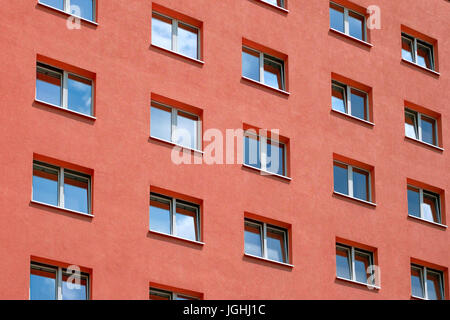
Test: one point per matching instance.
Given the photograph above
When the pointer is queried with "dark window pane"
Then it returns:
(434, 282)
(58, 4)
(411, 125)
(362, 262)
(252, 239)
(187, 42)
(428, 130)
(161, 122)
(361, 184)
(42, 284)
(416, 282)
(276, 249)
(424, 56)
(413, 202)
(407, 49)
(74, 287)
(48, 86)
(252, 152)
(338, 99)
(336, 17)
(430, 207)
(356, 24)
(340, 178)
(250, 64)
(45, 185)
(160, 219)
(275, 157)
(186, 131)
(186, 222)
(160, 295)
(359, 108)
(343, 269)
(162, 31)
(83, 8)
(273, 73)
(76, 193)
(80, 94)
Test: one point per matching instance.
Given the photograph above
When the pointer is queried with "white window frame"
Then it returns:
(350, 181)
(66, 6)
(64, 88)
(174, 39)
(348, 99)
(264, 56)
(173, 127)
(347, 23)
(263, 227)
(429, 193)
(418, 126)
(423, 279)
(173, 208)
(59, 271)
(61, 171)
(417, 42)
(169, 294)
(282, 3)
(351, 255)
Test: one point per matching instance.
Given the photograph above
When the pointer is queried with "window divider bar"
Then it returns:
(59, 284)
(421, 202)
(173, 227)
(350, 180)
(174, 120)
(353, 273)
(61, 187)
(263, 150)
(175, 35)
(265, 240)
(346, 22)
(261, 67)
(65, 90)
(425, 283)
(349, 100)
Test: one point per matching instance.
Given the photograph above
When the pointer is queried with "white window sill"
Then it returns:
(68, 14)
(268, 260)
(367, 44)
(176, 145)
(353, 117)
(355, 199)
(419, 66)
(175, 237)
(425, 143)
(268, 173)
(266, 86)
(274, 6)
(178, 54)
(65, 110)
(428, 221)
(369, 286)
(62, 209)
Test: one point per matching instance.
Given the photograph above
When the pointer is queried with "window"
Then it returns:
(174, 217)
(424, 204)
(64, 89)
(349, 100)
(353, 263)
(175, 35)
(56, 283)
(426, 283)
(265, 154)
(81, 8)
(278, 3)
(263, 68)
(266, 241)
(417, 51)
(61, 187)
(347, 21)
(352, 181)
(176, 126)
(421, 127)
(158, 294)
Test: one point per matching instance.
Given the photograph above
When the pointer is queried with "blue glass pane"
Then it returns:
(42, 287)
(361, 265)
(76, 194)
(160, 216)
(407, 49)
(416, 284)
(428, 131)
(80, 95)
(45, 187)
(433, 286)
(48, 89)
(82, 8)
(162, 32)
(187, 42)
(358, 106)
(275, 158)
(340, 179)
(275, 246)
(337, 20)
(252, 239)
(186, 132)
(186, 223)
(273, 74)
(342, 264)
(413, 202)
(338, 99)
(251, 152)
(161, 123)
(73, 291)
(250, 65)
(356, 26)
(58, 4)
(360, 186)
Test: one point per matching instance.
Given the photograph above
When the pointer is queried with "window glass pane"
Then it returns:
(252, 239)
(45, 185)
(413, 202)
(434, 285)
(183, 297)
(58, 4)
(162, 31)
(428, 130)
(424, 56)
(80, 94)
(186, 221)
(73, 287)
(160, 215)
(340, 178)
(275, 157)
(337, 17)
(430, 207)
(76, 193)
(187, 40)
(343, 263)
(416, 282)
(361, 184)
(273, 73)
(42, 284)
(276, 249)
(407, 49)
(252, 152)
(250, 64)
(48, 86)
(278, 3)
(411, 125)
(338, 99)
(362, 262)
(359, 108)
(84, 8)
(160, 295)
(186, 131)
(161, 122)
(356, 24)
